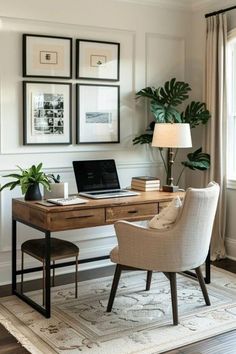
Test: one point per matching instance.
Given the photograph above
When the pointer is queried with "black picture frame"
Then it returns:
(93, 125)
(97, 60)
(47, 116)
(44, 56)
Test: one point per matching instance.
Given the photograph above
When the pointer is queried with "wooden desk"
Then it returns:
(61, 218)
(93, 213)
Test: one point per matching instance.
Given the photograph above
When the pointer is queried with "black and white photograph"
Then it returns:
(98, 113)
(97, 60)
(47, 56)
(47, 113)
(98, 117)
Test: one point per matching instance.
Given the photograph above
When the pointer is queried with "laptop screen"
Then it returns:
(95, 175)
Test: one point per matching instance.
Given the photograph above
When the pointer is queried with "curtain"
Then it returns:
(215, 137)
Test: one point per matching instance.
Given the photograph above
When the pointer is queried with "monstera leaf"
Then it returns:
(149, 92)
(195, 113)
(163, 100)
(174, 92)
(165, 114)
(147, 137)
(143, 139)
(197, 160)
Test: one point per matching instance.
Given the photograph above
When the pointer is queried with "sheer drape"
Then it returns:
(215, 138)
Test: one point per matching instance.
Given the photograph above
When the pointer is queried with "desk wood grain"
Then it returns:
(92, 213)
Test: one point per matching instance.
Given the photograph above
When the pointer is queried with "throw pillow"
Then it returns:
(167, 216)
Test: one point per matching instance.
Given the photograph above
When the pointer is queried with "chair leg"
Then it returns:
(173, 288)
(44, 282)
(53, 273)
(76, 277)
(202, 285)
(22, 274)
(149, 280)
(114, 287)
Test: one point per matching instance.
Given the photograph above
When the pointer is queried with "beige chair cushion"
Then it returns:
(167, 216)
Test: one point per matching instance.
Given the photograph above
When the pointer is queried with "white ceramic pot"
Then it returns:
(58, 190)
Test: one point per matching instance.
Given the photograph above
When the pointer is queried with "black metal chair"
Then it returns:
(60, 249)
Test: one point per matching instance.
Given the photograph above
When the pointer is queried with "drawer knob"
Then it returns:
(132, 211)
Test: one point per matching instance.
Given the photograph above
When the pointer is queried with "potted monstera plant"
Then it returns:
(164, 102)
(29, 181)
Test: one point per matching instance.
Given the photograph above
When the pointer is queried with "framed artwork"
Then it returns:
(98, 114)
(46, 113)
(97, 60)
(46, 56)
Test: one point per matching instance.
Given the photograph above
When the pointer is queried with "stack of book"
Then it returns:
(145, 183)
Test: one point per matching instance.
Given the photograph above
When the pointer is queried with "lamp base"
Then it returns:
(170, 189)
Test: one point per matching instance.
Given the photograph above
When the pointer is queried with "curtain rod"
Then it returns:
(220, 11)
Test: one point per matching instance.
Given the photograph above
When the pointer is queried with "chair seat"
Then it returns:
(59, 248)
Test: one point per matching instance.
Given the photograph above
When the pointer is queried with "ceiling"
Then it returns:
(190, 5)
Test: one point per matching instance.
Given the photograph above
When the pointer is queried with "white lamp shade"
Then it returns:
(172, 135)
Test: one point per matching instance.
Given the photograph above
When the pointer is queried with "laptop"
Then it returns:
(98, 179)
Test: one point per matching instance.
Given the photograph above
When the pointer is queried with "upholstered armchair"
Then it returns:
(183, 246)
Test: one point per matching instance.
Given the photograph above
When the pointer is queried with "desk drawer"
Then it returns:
(77, 219)
(131, 212)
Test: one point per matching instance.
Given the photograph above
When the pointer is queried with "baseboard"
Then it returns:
(5, 290)
(230, 244)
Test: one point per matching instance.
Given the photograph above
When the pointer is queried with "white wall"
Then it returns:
(155, 46)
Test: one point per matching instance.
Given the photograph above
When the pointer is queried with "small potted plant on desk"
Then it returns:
(57, 189)
(29, 181)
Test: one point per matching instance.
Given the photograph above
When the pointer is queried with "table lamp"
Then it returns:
(171, 135)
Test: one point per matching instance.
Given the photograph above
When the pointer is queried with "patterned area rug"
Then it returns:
(140, 323)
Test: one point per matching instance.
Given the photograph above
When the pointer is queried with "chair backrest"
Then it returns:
(193, 228)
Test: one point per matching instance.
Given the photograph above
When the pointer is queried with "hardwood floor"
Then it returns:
(8, 344)
(221, 344)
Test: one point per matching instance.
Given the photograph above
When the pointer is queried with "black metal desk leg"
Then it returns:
(48, 280)
(208, 268)
(13, 271)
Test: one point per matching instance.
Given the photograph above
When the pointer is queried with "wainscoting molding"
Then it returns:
(11, 83)
(161, 48)
(159, 66)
